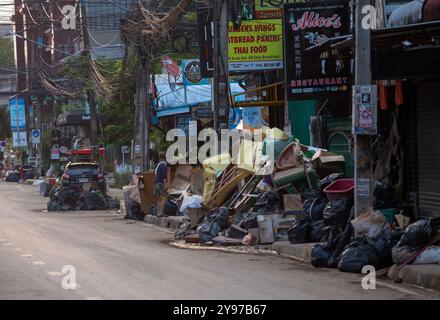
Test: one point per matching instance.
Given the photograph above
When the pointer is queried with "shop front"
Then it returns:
(410, 96)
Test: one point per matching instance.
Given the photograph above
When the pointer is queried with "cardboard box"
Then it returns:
(292, 202)
(326, 162)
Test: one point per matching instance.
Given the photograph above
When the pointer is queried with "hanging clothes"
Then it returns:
(383, 95)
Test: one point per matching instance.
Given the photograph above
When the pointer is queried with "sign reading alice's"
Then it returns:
(310, 73)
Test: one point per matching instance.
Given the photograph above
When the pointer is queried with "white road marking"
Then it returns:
(55, 273)
(17, 249)
(38, 263)
(397, 288)
(2, 240)
(8, 244)
(93, 298)
(27, 255)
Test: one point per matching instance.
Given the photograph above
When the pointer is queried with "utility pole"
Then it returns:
(141, 130)
(362, 144)
(140, 133)
(220, 101)
(91, 99)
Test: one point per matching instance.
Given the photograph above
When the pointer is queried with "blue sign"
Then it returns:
(17, 113)
(191, 72)
(36, 133)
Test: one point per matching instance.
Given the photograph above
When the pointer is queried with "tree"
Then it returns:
(6, 53)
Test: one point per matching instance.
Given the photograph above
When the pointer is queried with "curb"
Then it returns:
(422, 275)
(165, 222)
(301, 252)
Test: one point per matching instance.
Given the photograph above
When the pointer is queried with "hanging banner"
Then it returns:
(17, 113)
(256, 45)
(269, 9)
(312, 72)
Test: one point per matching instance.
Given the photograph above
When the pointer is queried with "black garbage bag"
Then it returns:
(63, 199)
(54, 205)
(360, 252)
(331, 237)
(337, 212)
(415, 236)
(94, 201)
(384, 248)
(220, 216)
(267, 202)
(249, 221)
(315, 207)
(47, 189)
(342, 241)
(184, 230)
(208, 231)
(320, 256)
(417, 233)
(311, 194)
(317, 230)
(133, 210)
(170, 208)
(300, 231)
(68, 195)
(153, 210)
(13, 177)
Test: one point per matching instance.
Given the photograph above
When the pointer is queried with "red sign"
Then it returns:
(170, 66)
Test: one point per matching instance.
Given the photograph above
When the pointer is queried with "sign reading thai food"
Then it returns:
(312, 71)
(256, 45)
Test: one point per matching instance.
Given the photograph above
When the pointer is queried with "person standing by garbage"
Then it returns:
(161, 183)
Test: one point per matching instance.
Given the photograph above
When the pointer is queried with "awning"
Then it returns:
(172, 111)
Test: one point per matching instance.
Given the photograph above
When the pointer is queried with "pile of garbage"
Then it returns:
(245, 204)
(305, 199)
(67, 199)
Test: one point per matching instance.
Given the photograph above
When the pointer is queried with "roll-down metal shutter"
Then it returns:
(428, 148)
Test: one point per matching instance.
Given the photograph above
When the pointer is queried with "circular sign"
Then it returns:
(192, 72)
(35, 133)
(63, 149)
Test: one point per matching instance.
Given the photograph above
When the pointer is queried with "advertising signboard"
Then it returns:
(312, 73)
(191, 72)
(256, 45)
(255, 117)
(55, 152)
(17, 113)
(269, 9)
(19, 138)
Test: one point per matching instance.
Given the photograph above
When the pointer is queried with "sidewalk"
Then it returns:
(426, 276)
(422, 275)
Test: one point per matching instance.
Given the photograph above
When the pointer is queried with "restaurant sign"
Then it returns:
(311, 73)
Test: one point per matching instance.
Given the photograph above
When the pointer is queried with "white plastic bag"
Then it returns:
(430, 255)
(372, 225)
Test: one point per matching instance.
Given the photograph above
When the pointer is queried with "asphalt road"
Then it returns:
(113, 258)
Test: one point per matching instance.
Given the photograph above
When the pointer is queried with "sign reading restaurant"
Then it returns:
(312, 72)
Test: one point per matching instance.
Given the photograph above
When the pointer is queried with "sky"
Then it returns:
(6, 10)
